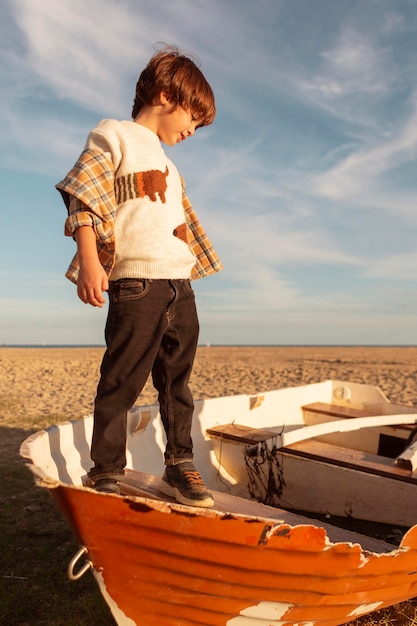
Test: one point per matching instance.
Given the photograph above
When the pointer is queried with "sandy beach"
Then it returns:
(41, 385)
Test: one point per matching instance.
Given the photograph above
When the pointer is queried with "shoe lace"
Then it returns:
(192, 476)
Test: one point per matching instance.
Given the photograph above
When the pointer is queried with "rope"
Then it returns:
(265, 473)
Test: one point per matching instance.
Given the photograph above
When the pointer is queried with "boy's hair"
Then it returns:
(179, 77)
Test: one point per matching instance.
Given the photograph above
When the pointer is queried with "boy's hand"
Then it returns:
(92, 281)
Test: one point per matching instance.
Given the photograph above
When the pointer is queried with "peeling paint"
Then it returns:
(119, 616)
(365, 608)
(262, 613)
(264, 538)
(250, 621)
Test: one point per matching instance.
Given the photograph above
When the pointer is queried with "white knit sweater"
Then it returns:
(150, 232)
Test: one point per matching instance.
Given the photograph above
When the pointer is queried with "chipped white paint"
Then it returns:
(267, 610)
(265, 613)
(365, 608)
(408, 458)
(119, 616)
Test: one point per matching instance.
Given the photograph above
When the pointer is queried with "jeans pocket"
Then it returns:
(127, 289)
(187, 288)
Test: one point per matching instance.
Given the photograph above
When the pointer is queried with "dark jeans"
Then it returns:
(152, 327)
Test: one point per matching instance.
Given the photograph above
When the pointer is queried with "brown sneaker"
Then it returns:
(105, 482)
(107, 485)
(185, 484)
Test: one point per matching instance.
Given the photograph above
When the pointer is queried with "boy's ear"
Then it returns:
(164, 97)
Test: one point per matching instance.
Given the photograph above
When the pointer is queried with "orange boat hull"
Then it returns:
(161, 563)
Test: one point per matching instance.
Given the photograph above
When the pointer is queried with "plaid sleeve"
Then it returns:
(78, 215)
(88, 194)
(207, 261)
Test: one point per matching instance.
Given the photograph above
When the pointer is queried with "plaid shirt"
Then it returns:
(88, 193)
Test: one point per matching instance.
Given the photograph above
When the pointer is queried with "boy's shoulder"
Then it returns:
(124, 130)
(134, 144)
(113, 125)
(109, 125)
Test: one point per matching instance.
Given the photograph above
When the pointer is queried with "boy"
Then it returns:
(139, 239)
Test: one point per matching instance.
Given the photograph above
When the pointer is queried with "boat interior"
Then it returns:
(374, 452)
(229, 431)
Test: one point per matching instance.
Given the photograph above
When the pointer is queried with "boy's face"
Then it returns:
(176, 125)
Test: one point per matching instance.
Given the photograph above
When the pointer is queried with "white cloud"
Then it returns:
(359, 171)
(352, 77)
(396, 267)
(355, 64)
(69, 52)
(394, 22)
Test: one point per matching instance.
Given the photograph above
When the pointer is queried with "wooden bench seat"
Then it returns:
(348, 457)
(333, 410)
(242, 434)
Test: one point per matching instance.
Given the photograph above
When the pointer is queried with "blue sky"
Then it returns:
(306, 182)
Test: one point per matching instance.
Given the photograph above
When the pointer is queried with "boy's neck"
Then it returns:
(148, 117)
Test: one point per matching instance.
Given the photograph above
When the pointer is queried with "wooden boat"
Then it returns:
(332, 448)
